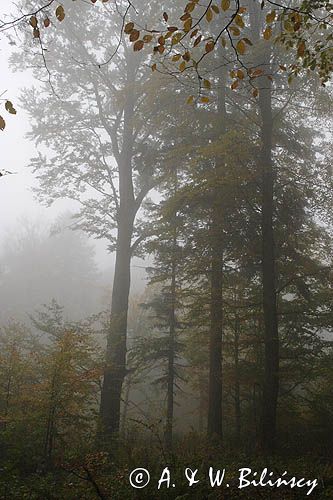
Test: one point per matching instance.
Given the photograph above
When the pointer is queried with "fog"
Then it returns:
(165, 244)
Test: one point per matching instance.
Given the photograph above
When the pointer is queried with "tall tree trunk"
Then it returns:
(271, 337)
(237, 382)
(128, 384)
(171, 357)
(214, 426)
(271, 381)
(115, 367)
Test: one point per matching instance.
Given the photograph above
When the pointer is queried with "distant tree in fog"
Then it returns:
(38, 265)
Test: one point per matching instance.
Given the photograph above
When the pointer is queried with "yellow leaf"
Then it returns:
(215, 9)
(204, 100)
(270, 18)
(267, 33)
(188, 24)
(176, 57)
(240, 74)
(190, 100)
(190, 7)
(239, 21)
(60, 13)
(235, 30)
(241, 47)
(207, 84)
(225, 4)
(33, 21)
(182, 66)
(128, 28)
(176, 38)
(209, 15)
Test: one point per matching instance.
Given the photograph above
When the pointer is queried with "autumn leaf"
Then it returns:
(60, 13)
(135, 35)
(147, 38)
(241, 47)
(10, 108)
(138, 45)
(225, 4)
(267, 33)
(176, 57)
(239, 21)
(209, 15)
(207, 84)
(33, 21)
(210, 46)
(128, 28)
(2, 123)
(270, 18)
(197, 40)
(188, 24)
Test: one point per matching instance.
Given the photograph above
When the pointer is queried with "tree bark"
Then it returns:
(271, 337)
(115, 367)
(237, 381)
(171, 357)
(214, 426)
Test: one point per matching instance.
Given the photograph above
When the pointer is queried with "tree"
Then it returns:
(103, 157)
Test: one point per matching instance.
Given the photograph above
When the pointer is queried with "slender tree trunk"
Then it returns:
(214, 427)
(115, 368)
(237, 382)
(214, 424)
(171, 358)
(202, 393)
(271, 337)
(128, 384)
(271, 381)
